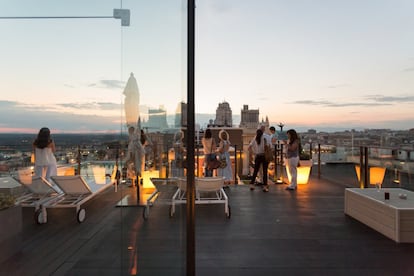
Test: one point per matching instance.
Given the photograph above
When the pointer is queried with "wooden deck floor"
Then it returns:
(277, 233)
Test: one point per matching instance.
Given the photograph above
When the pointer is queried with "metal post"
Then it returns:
(79, 160)
(282, 178)
(190, 139)
(235, 164)
(366, 175)
(276, 161)
(319, 160)
(361, 168)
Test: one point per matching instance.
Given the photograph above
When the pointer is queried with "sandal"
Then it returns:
(251, 187)
(266, 189)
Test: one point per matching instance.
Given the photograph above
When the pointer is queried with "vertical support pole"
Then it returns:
(361, 168)
(190, 218)
(366, 174)
(235, 165)
(276, 161)
(79, 161)
(319, 160)
(282, 178)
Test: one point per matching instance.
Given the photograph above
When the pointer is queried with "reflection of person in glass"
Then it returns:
(179, 154)
(223, 149)
(209, 148)
(44, 149)
(147, 146)
(135, 155)
(292, 155)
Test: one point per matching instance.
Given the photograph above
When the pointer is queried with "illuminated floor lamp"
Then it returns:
(303, 171)
(376, 175)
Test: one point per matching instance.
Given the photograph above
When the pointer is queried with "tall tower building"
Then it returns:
(249, 118)
(181, 115)
(223, 115)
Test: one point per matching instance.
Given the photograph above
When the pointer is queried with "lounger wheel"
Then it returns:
(228, 214)
(38, 217)
(145, 213)
(81, 215)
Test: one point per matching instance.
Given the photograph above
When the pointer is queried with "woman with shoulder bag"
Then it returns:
(224, 146)
(209, 148)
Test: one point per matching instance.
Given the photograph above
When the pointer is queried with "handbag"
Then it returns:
(223, 162)
(213, 164)
(268, 152)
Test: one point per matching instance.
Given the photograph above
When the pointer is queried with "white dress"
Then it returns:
(45, 162)
(227, 171)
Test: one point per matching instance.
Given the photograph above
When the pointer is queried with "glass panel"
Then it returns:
(108, 79)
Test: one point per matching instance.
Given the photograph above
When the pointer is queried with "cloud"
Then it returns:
(410, 69)
(390, 99)
(334, 86)
(17, 115)
(337, 104)
(108, 84)
(366, 101)
(92, 105)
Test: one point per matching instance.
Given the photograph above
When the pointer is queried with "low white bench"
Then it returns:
(393, 218)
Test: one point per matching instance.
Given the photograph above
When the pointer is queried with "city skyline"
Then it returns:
(311, 65)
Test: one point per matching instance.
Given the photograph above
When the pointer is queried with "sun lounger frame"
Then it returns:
(38, 197)
(205, 188)
(75, 200)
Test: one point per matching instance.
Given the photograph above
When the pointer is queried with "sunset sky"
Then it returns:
(307, 63)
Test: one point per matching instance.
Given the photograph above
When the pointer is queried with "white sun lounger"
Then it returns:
(162, 193)
(77, 191)
(40, 193)
(209, 190)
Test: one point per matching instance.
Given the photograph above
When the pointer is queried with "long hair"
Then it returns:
(43, 138)
(207, 134)
(293, 135)
(259, 134)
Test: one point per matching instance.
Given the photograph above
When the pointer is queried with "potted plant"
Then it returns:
(6, 201)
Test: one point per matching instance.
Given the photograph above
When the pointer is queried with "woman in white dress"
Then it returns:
(223, 149)
(44, 149)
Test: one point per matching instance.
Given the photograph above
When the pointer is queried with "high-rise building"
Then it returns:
(249, 118)
(157, 119)
(223, 115)
(181, 115)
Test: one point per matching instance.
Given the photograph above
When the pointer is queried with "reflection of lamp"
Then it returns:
(171, 155)
(146, 178)
(99, 174)
(303, 171)
(396, 176)
(376, 175)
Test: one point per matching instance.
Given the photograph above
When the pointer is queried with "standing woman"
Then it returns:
(209, 148)
(44, 149)
(256, 147)
(292, 155)
(223, 149)
(179, 155)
